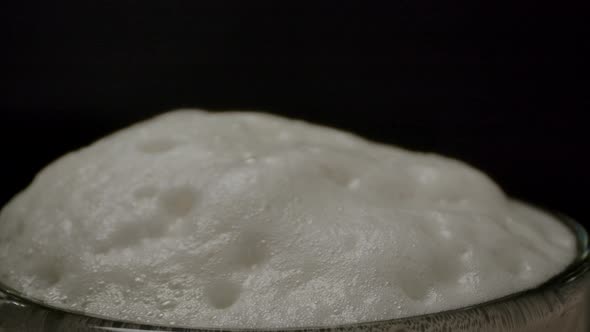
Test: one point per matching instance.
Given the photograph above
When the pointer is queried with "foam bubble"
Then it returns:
(251, 220)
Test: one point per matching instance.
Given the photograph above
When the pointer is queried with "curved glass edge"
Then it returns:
(560, 304)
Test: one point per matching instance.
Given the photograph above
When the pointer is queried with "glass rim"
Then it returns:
(576, 270)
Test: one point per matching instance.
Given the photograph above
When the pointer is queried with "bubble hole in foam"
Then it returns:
(251, 220)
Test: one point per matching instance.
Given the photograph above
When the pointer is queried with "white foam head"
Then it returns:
(251, 220)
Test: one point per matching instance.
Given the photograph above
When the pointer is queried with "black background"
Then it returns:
(499, 86)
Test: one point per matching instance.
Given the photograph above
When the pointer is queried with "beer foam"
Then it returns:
(251, 220)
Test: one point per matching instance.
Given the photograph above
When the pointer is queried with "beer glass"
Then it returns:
(560, 304)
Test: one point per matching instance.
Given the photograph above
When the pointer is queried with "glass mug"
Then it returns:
(560, 304)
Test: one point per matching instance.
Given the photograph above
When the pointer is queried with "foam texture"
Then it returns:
(251, 220)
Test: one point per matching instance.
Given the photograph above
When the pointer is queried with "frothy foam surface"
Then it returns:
(251, 220)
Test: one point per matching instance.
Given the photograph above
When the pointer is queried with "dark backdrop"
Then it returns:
(497, 86)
